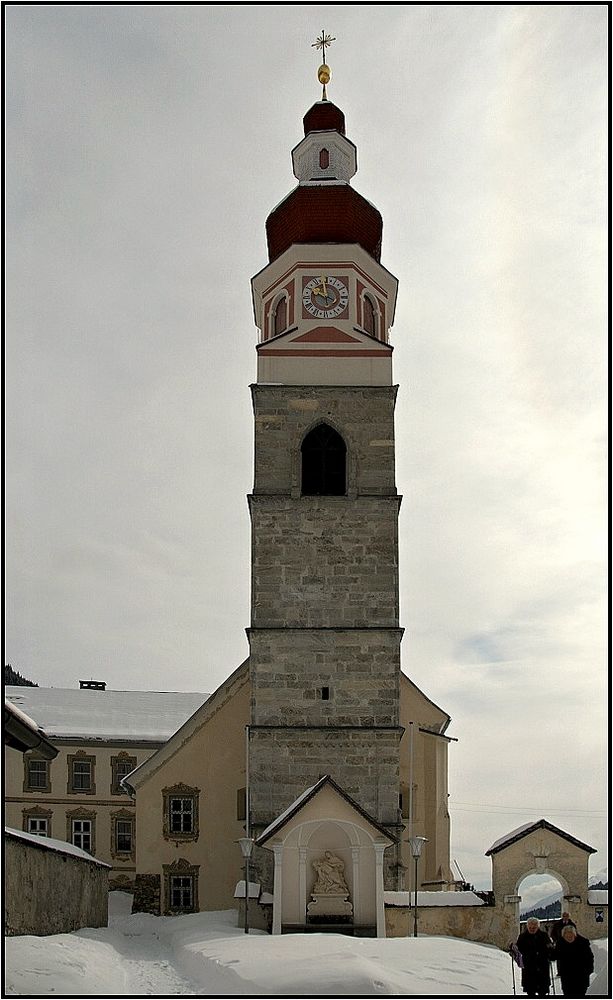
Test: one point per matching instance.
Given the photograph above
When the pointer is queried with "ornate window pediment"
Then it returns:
(181, 887)
(180, 810)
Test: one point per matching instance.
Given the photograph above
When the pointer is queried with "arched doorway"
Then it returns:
(542, 896)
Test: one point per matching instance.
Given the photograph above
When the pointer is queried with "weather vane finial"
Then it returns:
(324, 72)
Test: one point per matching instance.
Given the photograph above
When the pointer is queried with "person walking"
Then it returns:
(575, 962)
(558, 926)
(536, 949)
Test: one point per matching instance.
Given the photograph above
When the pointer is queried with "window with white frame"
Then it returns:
(38, 825)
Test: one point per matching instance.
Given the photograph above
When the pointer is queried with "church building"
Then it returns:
(318, 748)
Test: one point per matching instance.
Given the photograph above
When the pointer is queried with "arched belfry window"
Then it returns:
(324, 462)
(279, 322)
(369, 315)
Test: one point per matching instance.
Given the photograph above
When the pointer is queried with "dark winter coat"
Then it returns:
(536, 950)
(558, 927)
(575, 964)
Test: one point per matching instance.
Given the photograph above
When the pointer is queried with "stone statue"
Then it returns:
(330, 875)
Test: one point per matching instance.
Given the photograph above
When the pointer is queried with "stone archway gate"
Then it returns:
(542, 848)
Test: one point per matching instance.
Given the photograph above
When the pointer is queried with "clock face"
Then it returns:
(325, 298)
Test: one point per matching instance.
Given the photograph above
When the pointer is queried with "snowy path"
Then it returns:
(147, 964)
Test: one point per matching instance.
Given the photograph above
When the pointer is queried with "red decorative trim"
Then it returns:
(325, 335)
(323, 354)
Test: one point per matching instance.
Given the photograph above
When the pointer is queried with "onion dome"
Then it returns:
(324, 208)
(324, 117)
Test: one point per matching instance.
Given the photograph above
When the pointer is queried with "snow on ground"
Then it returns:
(206, 954)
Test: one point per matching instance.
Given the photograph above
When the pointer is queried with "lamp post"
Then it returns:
(417, 844)
(246, 845)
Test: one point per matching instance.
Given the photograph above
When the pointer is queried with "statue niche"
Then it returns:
(329, 898)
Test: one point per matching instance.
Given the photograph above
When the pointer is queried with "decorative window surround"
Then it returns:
(81, 774)
(123, 835)
(181, 887)
(81, 829)
(180, 813)
(35, 816)
(121, 765)
(36, 774)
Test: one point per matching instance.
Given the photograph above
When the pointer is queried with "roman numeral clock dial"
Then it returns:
(325, 298)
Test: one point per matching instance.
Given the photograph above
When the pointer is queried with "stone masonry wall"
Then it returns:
(48, 891)
(291, 667)
(363, 415)
(284, 762)
(324, 561)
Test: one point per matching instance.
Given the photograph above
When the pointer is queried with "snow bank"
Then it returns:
(206, 954)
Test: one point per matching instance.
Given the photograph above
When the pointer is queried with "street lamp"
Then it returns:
(246, 845)
(417, 844)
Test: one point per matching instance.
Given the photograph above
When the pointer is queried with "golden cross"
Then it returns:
(323, 42)
(323, 73)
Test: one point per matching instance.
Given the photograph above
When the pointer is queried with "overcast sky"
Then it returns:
(145, 146)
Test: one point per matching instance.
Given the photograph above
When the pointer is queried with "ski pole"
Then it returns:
(553, 979)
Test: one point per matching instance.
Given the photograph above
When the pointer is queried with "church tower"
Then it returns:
(324, 636)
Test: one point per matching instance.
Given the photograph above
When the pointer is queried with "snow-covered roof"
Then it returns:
(19, 714)
(23, 733)
(432, 898)
(49, 844)
(540, 824)
(598, 897)
(309, 793)
(74, 713)
(509, 836)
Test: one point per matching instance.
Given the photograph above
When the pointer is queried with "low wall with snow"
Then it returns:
(51, 887)
(450, 914)
(465, 915)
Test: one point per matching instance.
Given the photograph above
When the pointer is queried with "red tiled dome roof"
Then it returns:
(332, 213)
(324, 117)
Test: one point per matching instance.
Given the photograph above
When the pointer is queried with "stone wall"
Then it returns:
(284, 762)
(147, 894)
(358, 668)
(48, 891)
(324, 561)
(485, 924)
(363, 415)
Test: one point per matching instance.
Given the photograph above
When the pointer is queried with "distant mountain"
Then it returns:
(542, 908)
(14, 677)
(550, 911)
(600, 880)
